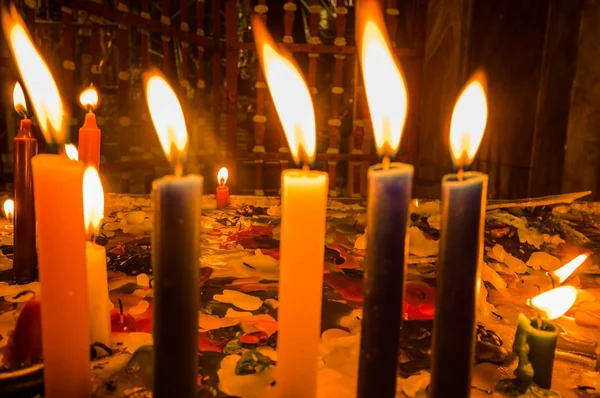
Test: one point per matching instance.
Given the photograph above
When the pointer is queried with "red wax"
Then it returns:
(25, 344)
(89, 142)
(222, 197)
(25, 258)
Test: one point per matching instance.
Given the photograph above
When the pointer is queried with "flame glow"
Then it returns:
(291, 97)
(9, 209)
(556, 302)
(36, 77)
(468, 123)
(19, 100)
(72, 152)
(167, 117)
(564, 272)
(385, 89)
(222, 176)
(89, 98)
(93, 200)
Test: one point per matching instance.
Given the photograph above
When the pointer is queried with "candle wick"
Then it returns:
(305, 167)
(461, 173)
(222, 182)
(178, 169)
(539, 321)
(386, 162)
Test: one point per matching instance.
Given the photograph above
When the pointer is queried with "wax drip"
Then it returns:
(24, 292)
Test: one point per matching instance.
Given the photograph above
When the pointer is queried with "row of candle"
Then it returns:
(62, 252)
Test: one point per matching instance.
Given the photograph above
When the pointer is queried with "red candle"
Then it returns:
(89, 133)
(222, 190)
(26, 147)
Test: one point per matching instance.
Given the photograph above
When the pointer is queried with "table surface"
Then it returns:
(240, 251)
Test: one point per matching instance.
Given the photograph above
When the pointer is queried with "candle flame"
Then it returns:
(468, 122)
(222, 176)
(72, 152)
(89, 98)
(93, 200)
(564, 272)
(290, 94)
(556, 302)
(19, 100)
(167, 117)
(36, 77)
(9, 209)
(385, 86)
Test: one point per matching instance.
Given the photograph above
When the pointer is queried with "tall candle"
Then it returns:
(390, 188)
(58, 184)
(97, 278)
(461, 250)
(89, 133)
(175, 252)
(304, 204)
(222, 189)
(26, 146)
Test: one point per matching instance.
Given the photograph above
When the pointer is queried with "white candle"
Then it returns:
(98, 301)
(303, 204)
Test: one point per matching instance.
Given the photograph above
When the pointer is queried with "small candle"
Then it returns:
(175, 251)
(89, 133)
(97, 278)
(390, 188)
(304, 204)
(222, 189)
(26, 146)
(461, 250)
(58, 185)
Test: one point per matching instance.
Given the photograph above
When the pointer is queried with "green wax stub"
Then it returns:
(535, 346)
(542, 345)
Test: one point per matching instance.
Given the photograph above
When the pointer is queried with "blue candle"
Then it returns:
(175, 252)
(390, 188)
(461, 250)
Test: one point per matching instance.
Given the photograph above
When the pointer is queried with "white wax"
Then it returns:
(98, 301)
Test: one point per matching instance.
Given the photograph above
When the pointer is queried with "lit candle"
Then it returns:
(535, 339)
(89, 133)
(9, 210)
(97, 278)
(175, 251)
(303, 203)
(222, 189)
(26, 147)
(461, 249)
(390, 188)
(58, 185)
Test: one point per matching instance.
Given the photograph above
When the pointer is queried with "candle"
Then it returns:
(89, 133)
(461, 250)
(58, 186)
(175, 251)
(26, 146)
(304, 204)
(535, 339)
(97, 279)
(390, 188)
(222, 189)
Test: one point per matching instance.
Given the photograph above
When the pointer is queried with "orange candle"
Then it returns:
(89, 133)
(222, 189)
(58, 187)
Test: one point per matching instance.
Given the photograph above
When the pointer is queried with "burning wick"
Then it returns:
(9, 210)
(386, 162)
(222, 182)
(19, 101)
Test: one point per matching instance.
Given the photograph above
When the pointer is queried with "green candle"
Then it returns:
(535, 344)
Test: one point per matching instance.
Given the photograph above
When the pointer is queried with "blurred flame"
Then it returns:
(93, 200)
(36, 77)
(167, 117)
(72, 152)
(291, 97)
(9, 209)
(567, 270)
(554, 303)
(468, 122)
(384, 83)
(89, 98)
(222, 176)
(19, 100)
